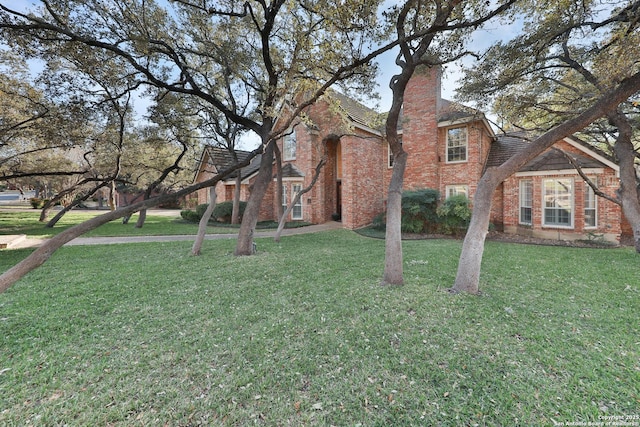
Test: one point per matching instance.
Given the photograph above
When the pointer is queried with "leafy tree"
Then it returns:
(429, 34)
(559, 70)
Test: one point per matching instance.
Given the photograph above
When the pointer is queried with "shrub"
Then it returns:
(189, 215)
(200, 209)
(379, 222)
(37, 203)
(222, 212)
(454, 214)
(419, 210)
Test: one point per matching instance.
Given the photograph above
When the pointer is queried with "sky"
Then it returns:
(480, 40)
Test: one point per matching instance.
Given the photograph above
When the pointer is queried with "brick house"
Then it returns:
(449, 147)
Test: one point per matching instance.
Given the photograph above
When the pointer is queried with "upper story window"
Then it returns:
(289, 146)
(457, 144)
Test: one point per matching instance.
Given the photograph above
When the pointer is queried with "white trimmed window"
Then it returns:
(454, 190)
(590, 207)
(558, 202)
(526, 201)
(284, 197)
(296, 212)
(457, 145)
(289, 145)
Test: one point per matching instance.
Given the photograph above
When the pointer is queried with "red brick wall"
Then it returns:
(608, 213)
(420, 129)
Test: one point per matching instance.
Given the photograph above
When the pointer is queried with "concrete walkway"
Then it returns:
(21, 241)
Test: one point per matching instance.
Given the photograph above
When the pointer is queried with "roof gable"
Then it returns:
(220, 159)
(507, 145)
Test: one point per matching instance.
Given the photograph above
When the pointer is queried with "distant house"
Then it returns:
(449, 147)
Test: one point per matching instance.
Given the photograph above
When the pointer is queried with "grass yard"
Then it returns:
(303, 334)
(155, 225)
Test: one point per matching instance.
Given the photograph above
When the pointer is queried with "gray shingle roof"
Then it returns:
(290, 171)
(357, 112)
(221, 159)
(453, 111)
(507, 145)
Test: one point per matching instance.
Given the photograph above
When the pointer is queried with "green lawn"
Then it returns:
(303, 334)
(27, 223)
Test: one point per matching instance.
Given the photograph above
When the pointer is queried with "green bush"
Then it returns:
(454, 214)
(222, 212)
(379, 222)
(37, 203)
(419, 210)
(189, 215)
(200, 209)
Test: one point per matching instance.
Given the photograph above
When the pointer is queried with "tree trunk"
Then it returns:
(235, 212)
(44, 213)
(204, 221)
(296, 198)
(244, 245)
(112, 196)
(393, 261)
(278, 157)
(44, 252)
(628, 192)
(468, 276)
(142, 216)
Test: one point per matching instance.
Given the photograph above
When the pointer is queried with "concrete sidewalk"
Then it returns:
(21, 241)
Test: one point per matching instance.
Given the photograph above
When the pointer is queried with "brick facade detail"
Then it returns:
(353, 184)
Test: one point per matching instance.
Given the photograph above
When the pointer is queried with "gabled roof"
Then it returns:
(355, 111)
(555, 160)
(289, 170)
(508, 145)
(450, 111)
(221, 159)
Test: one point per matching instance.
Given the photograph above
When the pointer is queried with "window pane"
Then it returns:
(296, 212)
(558, 202)
(289, 146)
(589, 206)
(457, 144)
(526, 201)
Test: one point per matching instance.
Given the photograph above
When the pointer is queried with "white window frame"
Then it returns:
(454, 190)
(296, 212)
(524, 203)
(591, 204)
(284, 197)
(289, 145)
(459, 144)
(570, 203)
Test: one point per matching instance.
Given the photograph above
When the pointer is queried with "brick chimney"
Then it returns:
(422, 100)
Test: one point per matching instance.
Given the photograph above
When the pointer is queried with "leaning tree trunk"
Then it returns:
(204, 221)
(468, 276)
(244, 245)
(44, 252)
(393, 262)
(297, 197)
